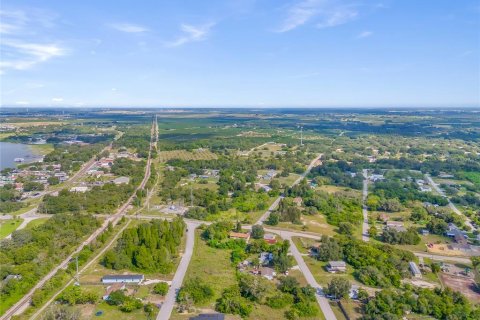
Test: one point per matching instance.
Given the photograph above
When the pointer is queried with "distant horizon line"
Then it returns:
(423, 107)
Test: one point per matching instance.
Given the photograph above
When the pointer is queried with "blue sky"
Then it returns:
(306, 53)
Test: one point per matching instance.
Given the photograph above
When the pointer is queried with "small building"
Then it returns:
(270, 175)
(105, 162)
(376, 177)
(415, 270)
(270, 238)
(121, 180)
(265, 258)
(396, 225)
(123, 278)
(425, 189)
(267, 272)
(239, 235)
(336, 266)
(425, 232)
(209, 316)
(298, 201)
(79, 189)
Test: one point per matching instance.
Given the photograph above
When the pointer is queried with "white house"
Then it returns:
(123, 278)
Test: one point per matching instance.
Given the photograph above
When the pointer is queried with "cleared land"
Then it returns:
(186, 155)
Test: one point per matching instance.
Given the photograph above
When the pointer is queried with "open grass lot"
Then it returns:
(37, 222)
(35, 123)
(8, 226)
(211, 265)
(288, 181)
(186, 155)
(333, 189)
(462, 284)
(41, 149)
(88, 311)
(316, 224)
(352, 308)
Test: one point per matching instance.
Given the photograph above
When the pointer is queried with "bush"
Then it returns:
(195, 289)
(279, 301)
(116, 298)
(161, 288)
(257, 232)
(232, 302)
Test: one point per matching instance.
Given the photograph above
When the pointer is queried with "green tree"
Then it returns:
(257, 232)
(161, 288)
(339, 288)
(346, 228)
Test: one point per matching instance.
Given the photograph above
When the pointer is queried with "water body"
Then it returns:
(9, 151)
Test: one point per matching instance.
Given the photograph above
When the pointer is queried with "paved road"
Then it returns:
(321, 300)
(40, 310)
(25, 300)
(443, 258)
(274, 205)
(167, 306)
(437, 188)
(365, 235)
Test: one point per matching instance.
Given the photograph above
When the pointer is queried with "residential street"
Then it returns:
(322, 301)
(168, 304)
(275, 204)
(437, 188)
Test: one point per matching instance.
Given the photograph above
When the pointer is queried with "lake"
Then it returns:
(10, 151)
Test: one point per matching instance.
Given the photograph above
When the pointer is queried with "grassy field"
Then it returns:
(8, 226)
(316, 224)
(211, 265)
(473, 177)
(41, 149)
(32, 224)
(186, 155)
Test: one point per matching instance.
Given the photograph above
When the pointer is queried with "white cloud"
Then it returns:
(337, 16)
(57, 99)
(18, 28)
(128, 27)
(191, 34)
(364, 34)
(325, 13)
(25, 55)
(299, 14)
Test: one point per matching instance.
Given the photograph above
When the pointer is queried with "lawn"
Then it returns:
(211, 265)
(316, 224)
(8, 226)
(37, 222)
(186, 155)
(41, 149)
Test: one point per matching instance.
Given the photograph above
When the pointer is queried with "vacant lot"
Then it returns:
(462, 284)
(8, 226)
(186, 155)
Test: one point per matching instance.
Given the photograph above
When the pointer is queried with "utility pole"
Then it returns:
(301, 135)
(191, 196)
(77, 277)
